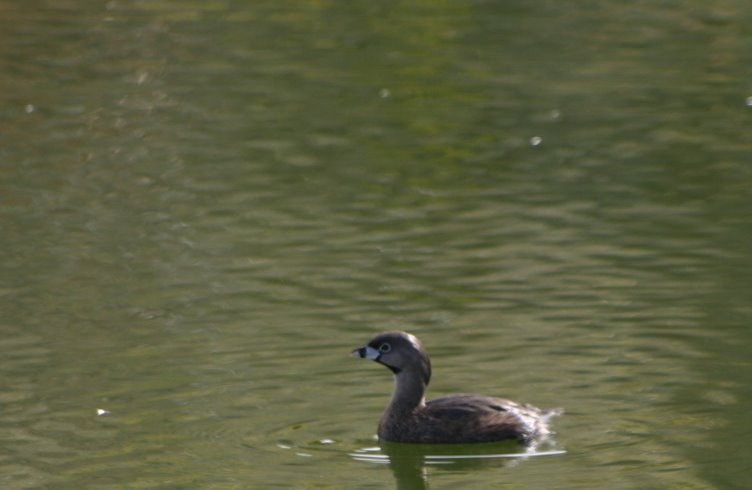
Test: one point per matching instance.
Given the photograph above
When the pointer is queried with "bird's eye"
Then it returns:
(384, 348)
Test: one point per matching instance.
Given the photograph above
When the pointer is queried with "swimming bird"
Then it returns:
(459, 418)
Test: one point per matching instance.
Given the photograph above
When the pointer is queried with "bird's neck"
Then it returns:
(409, 393)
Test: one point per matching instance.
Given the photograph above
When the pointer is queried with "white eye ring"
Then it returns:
(385, 347)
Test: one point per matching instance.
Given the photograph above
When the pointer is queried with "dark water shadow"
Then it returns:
(409, 462)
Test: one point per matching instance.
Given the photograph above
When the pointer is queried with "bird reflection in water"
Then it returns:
(409, 462)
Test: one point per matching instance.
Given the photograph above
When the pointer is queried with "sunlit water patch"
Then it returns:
(376, 455)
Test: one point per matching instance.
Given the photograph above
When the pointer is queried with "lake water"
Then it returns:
(205, 205)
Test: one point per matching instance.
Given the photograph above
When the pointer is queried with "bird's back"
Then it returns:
(465, 419)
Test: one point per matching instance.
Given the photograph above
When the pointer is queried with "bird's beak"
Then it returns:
(366, 352)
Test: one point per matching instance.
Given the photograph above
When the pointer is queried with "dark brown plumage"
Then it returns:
(449, 419)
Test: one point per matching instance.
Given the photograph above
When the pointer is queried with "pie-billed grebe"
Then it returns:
(450, 419)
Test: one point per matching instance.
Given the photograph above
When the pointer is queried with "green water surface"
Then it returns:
(205, 205)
